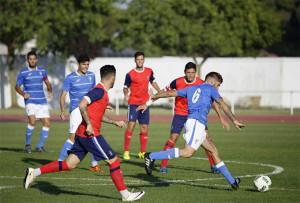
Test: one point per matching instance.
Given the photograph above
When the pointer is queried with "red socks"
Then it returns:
(169, 145)
(143, 141)
(128, 136)
(209, 156)
(54, 166)
(116, 175)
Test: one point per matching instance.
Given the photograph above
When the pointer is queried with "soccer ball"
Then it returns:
(262, 183)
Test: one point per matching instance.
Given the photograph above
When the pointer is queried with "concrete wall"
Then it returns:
(267, 81)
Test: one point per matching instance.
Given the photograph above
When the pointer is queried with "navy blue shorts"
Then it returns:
(95, 145)
(133, 115)
(178, 124)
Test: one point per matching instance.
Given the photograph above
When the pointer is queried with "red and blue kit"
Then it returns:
(138, 82)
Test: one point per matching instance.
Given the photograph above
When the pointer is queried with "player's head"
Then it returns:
(32, 59)
(190, 71)
(108, 74)
(83, 63)
(215, 79)
(139, 59)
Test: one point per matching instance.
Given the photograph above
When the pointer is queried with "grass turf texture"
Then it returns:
(189, 180)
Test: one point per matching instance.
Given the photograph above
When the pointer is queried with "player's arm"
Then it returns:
(163, 94)
(85, 115)
(126, 91)
(20, 91)
(120, 124)
(62, 104)
(228, 112)
(156, 87)
(49, 88)
(127, 84)
(223, 122)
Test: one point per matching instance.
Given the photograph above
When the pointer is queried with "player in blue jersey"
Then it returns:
(77, 84)
(32, 78)
(199, 99)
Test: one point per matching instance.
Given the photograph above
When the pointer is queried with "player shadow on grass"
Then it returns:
(32, 161)
(186, 168)
(12, 149)
(50, 189)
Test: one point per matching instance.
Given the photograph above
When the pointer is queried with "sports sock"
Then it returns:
(168, 154)
(54, 166)
(116, 175)
(29, 131)
(44, 135)
(209, 156)
(64, 151)
(128, 136)
(143, 141)
(221, 166)
(94, 162)
(169, 145)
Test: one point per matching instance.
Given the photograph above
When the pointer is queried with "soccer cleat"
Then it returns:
(126, 155)
(215, 170)
(236, 183)
(164, 170)
(141, 155)
(28, 148)
(148, 163)
(41, 150)
(134, 196)
(28, 177)
(96, 169)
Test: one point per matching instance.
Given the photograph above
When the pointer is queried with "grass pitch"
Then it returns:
(261, 148)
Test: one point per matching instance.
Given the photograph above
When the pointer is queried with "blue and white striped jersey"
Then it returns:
(77, 86)
(32, 81)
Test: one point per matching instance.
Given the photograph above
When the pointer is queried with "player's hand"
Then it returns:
(50, 95)
(89, 130)
(126, 98)
(120, 124)
(142, 107)
(62, 115)
(26, 96)
(225, 124)
(238, 125)
(109, 109)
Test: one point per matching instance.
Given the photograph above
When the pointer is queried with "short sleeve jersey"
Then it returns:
(199, 100)
(98, 101)
(32, 81)
(138, 82)
(181, 102)
(78, 85)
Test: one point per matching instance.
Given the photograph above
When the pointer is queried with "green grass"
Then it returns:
(189, 180)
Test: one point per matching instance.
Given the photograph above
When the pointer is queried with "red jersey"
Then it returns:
(138, 82)
(98, 101)
(181, 102)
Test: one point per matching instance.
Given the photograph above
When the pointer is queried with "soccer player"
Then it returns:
(199, 99)
(77, 84)
(181, 113)
(137, 80)
(89, 139)
(32, 78)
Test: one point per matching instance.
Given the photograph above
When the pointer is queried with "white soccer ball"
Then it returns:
(262, 183)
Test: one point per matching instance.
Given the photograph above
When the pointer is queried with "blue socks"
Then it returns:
(29, 131)
(221, 166)
(64, 151)
(44, 135)
(168, 154)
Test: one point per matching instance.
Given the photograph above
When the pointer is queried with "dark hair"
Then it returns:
(139, 53)
(83, 58)
(107, 70)
(215, 75)
(190, 65)
(31, 53)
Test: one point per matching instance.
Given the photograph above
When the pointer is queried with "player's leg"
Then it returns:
(30, 111)
(66, 147)
(211, 162)
(44, 115)
(131, 116)
(143, 119)
(210, 147)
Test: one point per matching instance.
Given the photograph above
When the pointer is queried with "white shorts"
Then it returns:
(39, 110)
(75, 120)
(194, 133)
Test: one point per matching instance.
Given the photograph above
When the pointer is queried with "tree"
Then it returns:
(60, 27)
(198, 28)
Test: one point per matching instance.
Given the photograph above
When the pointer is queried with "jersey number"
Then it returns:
(196, 95)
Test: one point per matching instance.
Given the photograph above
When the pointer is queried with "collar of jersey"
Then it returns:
(191, 82)
(139, 71)
(103, 86)
(79, 74)
(33, 70)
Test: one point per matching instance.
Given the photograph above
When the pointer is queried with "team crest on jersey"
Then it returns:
(90, 78)
(40, 73)
(147, 77)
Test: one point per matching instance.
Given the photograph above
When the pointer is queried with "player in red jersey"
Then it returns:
(181, 112)
(89, 139)
(137, 81)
